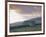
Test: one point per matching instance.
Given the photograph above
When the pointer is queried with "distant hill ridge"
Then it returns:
(30, 22)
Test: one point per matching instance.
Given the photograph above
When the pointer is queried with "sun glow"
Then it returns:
(18, 10)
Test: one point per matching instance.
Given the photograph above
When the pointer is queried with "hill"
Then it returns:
(33, 24)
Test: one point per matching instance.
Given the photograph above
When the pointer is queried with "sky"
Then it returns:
(23, 12)
(26, 8)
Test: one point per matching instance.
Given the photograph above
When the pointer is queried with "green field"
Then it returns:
(26, 29)
(29, 25)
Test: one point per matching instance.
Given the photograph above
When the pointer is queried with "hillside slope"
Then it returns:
(28, 25)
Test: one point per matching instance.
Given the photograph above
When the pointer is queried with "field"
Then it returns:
(29, 25)
(25, 29)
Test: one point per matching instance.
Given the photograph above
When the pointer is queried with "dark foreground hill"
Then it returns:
(28, 25)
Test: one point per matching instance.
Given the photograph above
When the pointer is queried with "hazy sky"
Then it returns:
(27, 9)
(23, 12)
